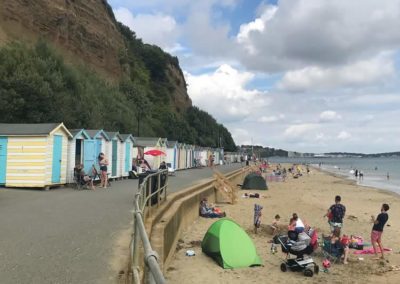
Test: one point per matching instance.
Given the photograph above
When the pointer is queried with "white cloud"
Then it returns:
(223, 93)
(258, 25)
(329, 115)
(207, 37)
(299, 130)
(344, 135)
(272, 118)
(359, 73)
(158, 29)
(241, 136)
(317, 33)
(345, 63)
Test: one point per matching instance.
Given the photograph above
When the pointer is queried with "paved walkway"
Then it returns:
(68, 236)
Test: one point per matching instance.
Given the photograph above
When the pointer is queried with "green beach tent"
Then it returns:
(229, 245)
(254, 181)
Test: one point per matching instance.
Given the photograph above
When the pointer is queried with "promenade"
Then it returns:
(69, 236)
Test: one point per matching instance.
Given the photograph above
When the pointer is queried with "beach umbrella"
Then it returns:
(154, 152)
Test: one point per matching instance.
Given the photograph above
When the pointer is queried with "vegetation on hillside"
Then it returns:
(37, 86)
(263, 152)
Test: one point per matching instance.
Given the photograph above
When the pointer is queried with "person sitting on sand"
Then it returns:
(292, 224)
(340, 243)
(209, 212)
(377, 229)
(299, 225)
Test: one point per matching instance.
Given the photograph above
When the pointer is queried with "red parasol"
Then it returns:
(154, 153)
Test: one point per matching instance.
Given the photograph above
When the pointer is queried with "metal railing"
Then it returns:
(151, 193)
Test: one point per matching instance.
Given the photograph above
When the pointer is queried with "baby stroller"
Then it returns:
(302, 262)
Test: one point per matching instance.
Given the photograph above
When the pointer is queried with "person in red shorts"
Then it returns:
(377, 229)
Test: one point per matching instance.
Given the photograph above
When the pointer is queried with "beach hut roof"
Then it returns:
(164, 141)
(172, 144)
(77, 132)
(113, 134)
(127, 137)
(30, 129)
(95, 133)
(146, 141)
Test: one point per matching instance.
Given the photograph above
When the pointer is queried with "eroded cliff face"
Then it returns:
(83, 31)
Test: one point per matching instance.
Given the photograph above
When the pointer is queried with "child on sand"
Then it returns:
(377, 229)
(257, 217)
(275, 224)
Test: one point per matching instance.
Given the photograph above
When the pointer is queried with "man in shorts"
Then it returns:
(336, 214)
(377, 229)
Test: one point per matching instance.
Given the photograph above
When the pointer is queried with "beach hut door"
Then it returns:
(127, 156)
(3, 159)
(98, 147)
(57, 151)
(89, 155)
(114, 157)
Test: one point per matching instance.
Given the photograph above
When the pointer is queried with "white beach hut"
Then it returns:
(126, 152)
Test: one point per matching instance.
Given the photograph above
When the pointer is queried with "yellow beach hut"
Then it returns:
(33, 155)
(182, 156)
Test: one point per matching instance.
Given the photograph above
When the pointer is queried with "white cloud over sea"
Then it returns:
(310, 76)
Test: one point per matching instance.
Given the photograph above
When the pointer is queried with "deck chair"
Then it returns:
(331, 251)
(79, 181)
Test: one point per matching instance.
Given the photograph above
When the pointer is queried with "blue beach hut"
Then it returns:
(93, 147)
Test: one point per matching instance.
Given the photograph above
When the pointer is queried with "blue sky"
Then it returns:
(308, 76)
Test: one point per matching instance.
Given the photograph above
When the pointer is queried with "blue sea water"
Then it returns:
(375, 170)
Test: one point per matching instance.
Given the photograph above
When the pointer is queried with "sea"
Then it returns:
(382, 173)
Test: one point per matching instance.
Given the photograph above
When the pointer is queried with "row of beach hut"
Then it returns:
(44, 155)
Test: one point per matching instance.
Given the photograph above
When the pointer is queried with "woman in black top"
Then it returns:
(103, 162)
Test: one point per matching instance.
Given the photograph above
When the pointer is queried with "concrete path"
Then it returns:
(69, 236)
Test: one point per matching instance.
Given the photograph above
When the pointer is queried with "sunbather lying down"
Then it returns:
(207, 211)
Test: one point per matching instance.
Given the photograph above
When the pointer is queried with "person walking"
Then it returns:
(377, 229)
(336, 214)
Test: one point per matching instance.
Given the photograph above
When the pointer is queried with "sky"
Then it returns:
(300, 75)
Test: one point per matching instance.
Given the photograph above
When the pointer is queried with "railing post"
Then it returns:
(152, 271)
(158, 189)
(135, 260)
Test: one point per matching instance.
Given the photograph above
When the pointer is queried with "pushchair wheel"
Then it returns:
(283, 267)
(316, 269)
(308, 272)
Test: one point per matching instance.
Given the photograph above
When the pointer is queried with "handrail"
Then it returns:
(143, 200)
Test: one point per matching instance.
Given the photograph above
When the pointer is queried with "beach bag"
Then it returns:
(217, 210)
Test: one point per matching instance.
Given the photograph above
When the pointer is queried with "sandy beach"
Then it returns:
(309, 196)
